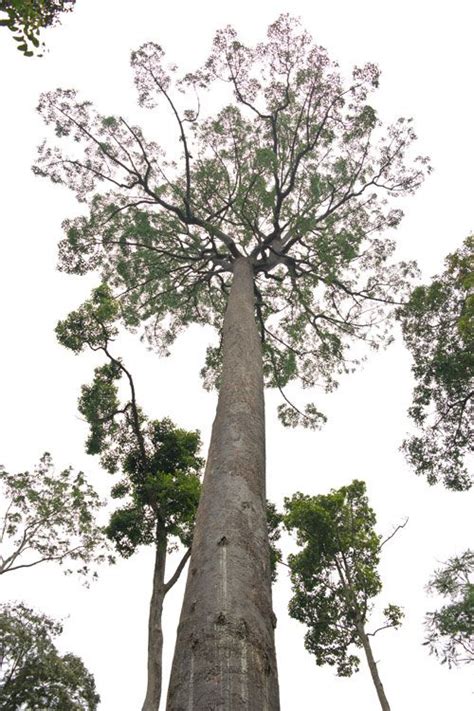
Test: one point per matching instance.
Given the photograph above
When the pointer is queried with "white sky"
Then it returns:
(424, 49)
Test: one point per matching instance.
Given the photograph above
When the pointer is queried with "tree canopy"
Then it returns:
(295, 173)
(33, 675)
(450, 630)
(335, 576)
(438, 328)
(26, 18)
(50, 516)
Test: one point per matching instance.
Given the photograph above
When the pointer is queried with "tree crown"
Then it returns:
(294, 175)
(335, 576)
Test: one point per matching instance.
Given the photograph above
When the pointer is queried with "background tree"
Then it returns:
(33, 675)
(438, 328)
(50, 516)
(335, 577)
(159, 465)
(281, 194)
(26, 18)
(450, 630)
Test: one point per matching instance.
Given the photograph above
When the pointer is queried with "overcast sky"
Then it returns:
(424, 50)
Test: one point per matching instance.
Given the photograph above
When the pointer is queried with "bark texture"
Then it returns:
(225, 654)
(155, 631)
(373, 669)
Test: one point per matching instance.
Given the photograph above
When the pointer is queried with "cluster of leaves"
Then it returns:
(159, 461)
(335, 575)
(49, 516)
(438, 327)
(294, 175)
(163, 491)
(33, 674)
(450, 630)
(26, 18)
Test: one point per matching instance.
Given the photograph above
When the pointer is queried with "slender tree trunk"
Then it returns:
(373, 668)
(155, 631)
(225, 654)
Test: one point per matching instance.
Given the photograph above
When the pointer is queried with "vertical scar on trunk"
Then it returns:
(191, 680)
(243, 674)
(222, 544)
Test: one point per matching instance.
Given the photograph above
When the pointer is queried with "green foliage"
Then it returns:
(295, 174)
(49, 516)
(26, 18)
(450, 630)
(335, 575)
(162, 490)
(290, 416)
(438, 328)
(158, 461)
(93, 324)
(98, 404)
(33, 675)
(274, 522)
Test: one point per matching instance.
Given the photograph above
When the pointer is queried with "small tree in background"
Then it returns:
(335, 577)
(26, 18)
(450, 630)
(33, 675)
(158, 462)
(438, 327)
(49, 516)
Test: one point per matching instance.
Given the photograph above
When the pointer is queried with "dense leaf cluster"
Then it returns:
(294, 173)
(438, 327)
(33, 675)
(162, 492)
(26, 18)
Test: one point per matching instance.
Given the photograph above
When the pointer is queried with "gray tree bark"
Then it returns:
(225, 654)
(155, 631)
(373, 668)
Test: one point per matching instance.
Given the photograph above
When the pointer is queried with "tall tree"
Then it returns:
(335, 577)
(26, 18)
(33, 675)
(263, 224)
(438, 328)
(450, 630)
(158, 461)
(49, 516)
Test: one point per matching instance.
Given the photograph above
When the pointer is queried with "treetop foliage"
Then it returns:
(335, 576)
(32, 674)
(450, 630)
(50, 516)
(438, 328)
(26, 18)
(295, 174)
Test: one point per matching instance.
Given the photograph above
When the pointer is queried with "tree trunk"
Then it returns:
(373, 669)
(155, 631)
(225, 653)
